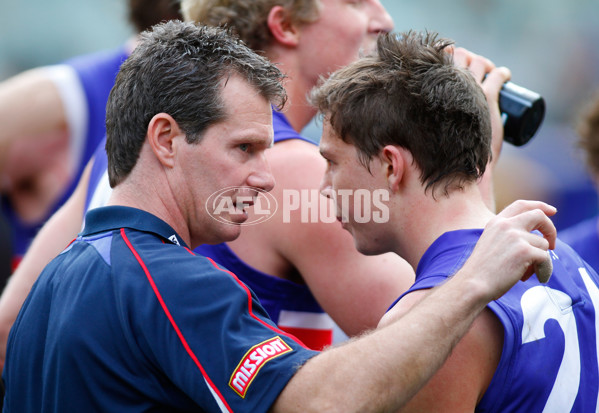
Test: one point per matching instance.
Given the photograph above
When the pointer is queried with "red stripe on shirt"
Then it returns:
(172, 321)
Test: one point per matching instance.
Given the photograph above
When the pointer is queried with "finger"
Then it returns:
(537, 220)
(540, 264)
(495, 79)
(461, 57)
(547, 228)
(528, 273)
(520, 206)
(479, 67)
(542, 267)
(535, 240)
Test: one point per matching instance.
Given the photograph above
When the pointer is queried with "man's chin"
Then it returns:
(229, 233)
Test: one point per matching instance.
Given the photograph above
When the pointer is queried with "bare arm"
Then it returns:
(463, 379)
(36, 139)
(30, 107)
(383, 370)
(54, 236)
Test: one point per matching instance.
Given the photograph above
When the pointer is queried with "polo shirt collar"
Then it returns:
(115, 217)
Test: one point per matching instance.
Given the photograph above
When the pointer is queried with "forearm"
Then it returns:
(383, 370)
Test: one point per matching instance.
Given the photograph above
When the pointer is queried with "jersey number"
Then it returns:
(540, 304)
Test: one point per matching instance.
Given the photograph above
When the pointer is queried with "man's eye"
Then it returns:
(244, 147)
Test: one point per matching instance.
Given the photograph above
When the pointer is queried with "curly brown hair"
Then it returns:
(248, 18)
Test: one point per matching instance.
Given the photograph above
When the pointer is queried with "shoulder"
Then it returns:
(141, 267)
(41, 82)
(98, 60)
(154, 253)
(467, 373)
(296, 162)
(293, 148)
(172, 261)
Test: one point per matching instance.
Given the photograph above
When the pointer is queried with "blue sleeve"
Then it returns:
(211, 337)
(97, 73)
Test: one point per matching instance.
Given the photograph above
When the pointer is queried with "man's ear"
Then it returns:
(393, 160)
(162, 130)
(282, 28)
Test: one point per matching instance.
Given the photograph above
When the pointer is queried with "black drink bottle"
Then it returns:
(523, 112)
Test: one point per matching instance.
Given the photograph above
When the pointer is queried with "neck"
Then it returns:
(297, 85)
(426, 219)
(148, 190)
(298, 114)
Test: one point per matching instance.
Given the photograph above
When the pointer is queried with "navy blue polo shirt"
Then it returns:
(128, 319)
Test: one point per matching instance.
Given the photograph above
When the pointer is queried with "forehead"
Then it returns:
(328, 12)
(332, 3)
(247, 118)
(237, 93)
(331, 143)
(245, 107)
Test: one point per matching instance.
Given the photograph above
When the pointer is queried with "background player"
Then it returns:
(584, 237)
(53, 119)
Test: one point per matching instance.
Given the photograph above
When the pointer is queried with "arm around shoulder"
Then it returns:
(385, 369)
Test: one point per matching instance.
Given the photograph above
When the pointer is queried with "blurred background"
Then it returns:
(550, 47)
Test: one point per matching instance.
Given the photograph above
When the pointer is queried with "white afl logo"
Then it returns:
(225, 204)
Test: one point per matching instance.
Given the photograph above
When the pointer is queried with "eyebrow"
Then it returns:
(252, 139)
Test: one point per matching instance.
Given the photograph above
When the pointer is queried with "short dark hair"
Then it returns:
(144, 14)
(177, 69)
(409, 93)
